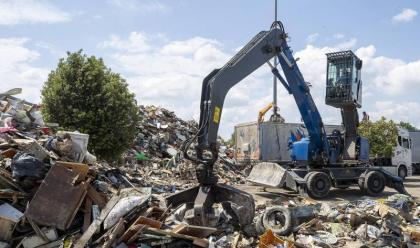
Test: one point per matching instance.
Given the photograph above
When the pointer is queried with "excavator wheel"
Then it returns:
(318, 184)
(361, 183)
(374, 183)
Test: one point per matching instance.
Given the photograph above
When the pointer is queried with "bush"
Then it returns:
(83, 94)
(382, 136)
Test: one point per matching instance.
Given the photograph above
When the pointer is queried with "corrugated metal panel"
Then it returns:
(268, 141)
(274, 139)
(246, 142)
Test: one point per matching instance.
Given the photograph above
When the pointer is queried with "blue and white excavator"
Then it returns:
(321, 161)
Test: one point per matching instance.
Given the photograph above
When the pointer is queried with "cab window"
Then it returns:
(405, 143)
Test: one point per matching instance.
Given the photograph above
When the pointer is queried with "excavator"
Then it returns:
(320, 161)
(263, 111)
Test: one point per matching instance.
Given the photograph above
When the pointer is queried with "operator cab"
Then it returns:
(344, 91)
(344, 84)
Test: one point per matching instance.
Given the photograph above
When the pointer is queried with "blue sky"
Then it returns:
(165, 47)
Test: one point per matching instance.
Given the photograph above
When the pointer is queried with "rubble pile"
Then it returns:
(156, 155)
(54, 193)
(300, 222)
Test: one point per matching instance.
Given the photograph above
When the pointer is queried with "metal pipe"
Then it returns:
(275, 65)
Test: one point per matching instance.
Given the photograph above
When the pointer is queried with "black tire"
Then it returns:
(278, 219)
(374, 183)
(318, 184)
(259, 227)
(361, 183)
(402, 171)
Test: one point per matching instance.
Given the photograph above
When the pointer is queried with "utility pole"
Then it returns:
(275, 66)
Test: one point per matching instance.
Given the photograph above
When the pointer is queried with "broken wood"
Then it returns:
(81, 169)
(88, 214)
(37, 230)
(9, 153)
(58, 198)
(141, 223)
(96, 197)
(96, 223)
(195, 231)
(137, 227)
(117, 231)
(196, 241)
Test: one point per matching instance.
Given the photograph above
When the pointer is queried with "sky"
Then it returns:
(164, 49)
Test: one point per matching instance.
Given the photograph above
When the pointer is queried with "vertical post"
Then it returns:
(275, 65)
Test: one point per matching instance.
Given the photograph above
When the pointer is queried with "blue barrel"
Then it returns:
(299, 151)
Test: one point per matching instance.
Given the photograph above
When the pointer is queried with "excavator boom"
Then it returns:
(264, 46)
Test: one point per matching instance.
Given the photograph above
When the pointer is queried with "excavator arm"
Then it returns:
(263, 47)
(263, 111)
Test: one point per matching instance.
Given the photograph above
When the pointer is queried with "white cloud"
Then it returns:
(30, 11)
(346, 44)
(394, 77)
(16, 69)
(140, 5)
(399, 111)
(312, 38)
(137, 42)
(339, 36)
(170, 74)
(406, 15)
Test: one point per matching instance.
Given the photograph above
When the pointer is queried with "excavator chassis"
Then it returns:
(317, 182)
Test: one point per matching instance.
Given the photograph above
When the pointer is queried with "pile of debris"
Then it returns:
(301, 222)
(54, 193)
(156, 155)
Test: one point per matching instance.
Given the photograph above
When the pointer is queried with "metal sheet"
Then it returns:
(415, 146)
(58, 198)
(246, 142)
(274, 138)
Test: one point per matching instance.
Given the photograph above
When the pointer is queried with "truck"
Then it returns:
(319, 160)
(269, 142)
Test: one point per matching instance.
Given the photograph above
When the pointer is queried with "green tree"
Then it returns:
(382, 136)
(408, 126)
(83, 94)
(232, 140)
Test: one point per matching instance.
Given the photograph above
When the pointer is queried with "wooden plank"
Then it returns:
(96, 197)
(57, 199)
(81, 169)
(196, 241)
(96, 223)
(195, 231)
(136, 227)
(88, 214)
(6, 177)
(117, 231)
(9, 153)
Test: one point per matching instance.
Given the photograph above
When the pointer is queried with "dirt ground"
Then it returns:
(261, 194)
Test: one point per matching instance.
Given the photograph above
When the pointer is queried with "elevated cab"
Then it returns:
(344, 84)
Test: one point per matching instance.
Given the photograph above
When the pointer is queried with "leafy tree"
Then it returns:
(408, 126)
(382, 136)
(83, 94)
(231, 141)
